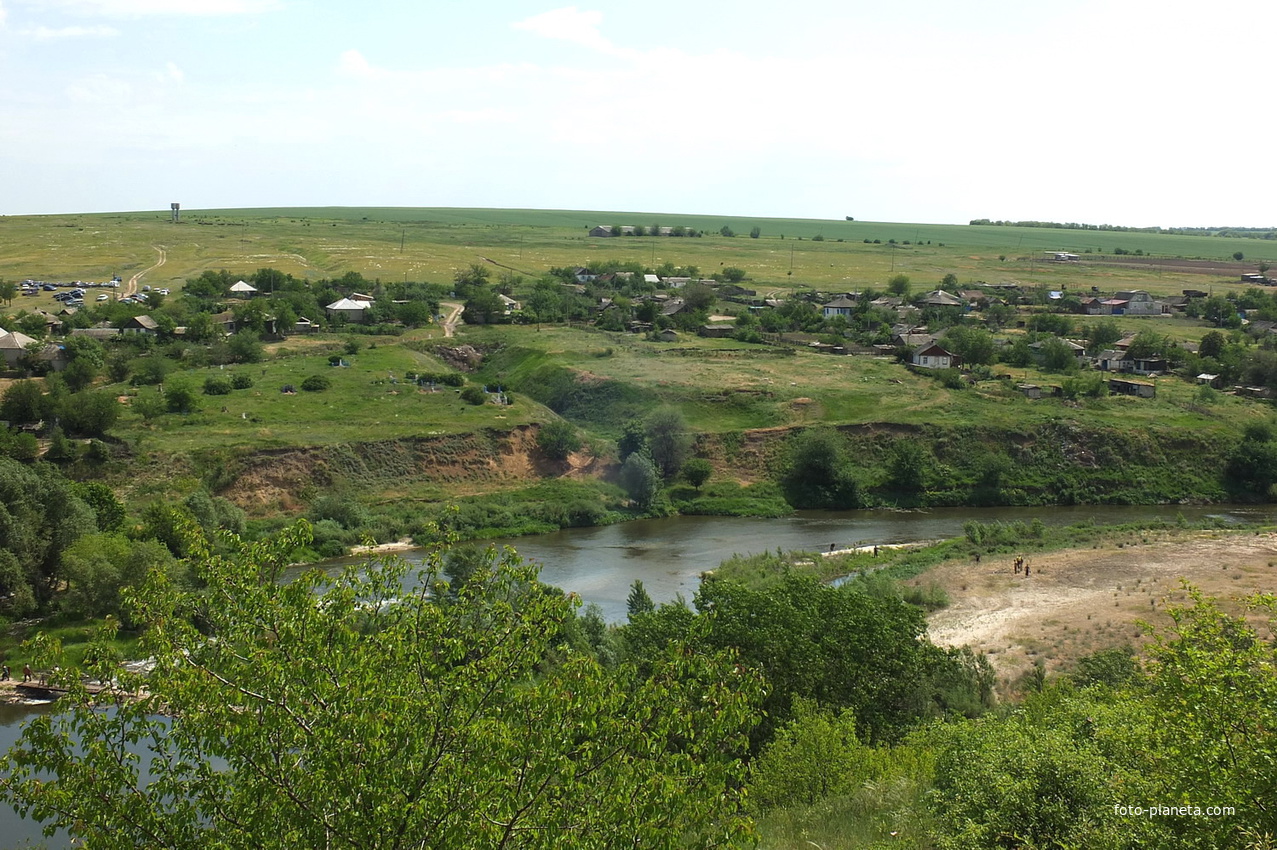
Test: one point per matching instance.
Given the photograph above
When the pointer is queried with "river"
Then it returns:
(669, 555)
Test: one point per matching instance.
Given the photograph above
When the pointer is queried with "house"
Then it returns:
(1209, 380)
(1149, 365)
(140, 325)
(912, 340)
(1030, 390)
(934, 357)
(225, 321)
(1140, 389)
(668, 335)
(583, 275)
(509, 305)
(349, 309)
(13, 347)
(673, 307)
(1095, 307)
(651, 279)
(1112, 360)
(359, 296)
(1140, 303)
(843, 305)
(243, 289)
(940, 298)
(604, 230)
(717, 330)
(676, 282)
(1079, 351)
(304, 326)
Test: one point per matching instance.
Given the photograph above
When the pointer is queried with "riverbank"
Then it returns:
(1076, 601)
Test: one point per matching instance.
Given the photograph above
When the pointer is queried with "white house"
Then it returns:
(352, 310)
(13, 346)
(243, 289)
(934, 357)
(840, 306)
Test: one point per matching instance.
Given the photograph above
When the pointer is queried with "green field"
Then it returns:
(431, 244)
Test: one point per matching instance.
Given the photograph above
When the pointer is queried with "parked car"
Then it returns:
(164, 292)
(103, 297)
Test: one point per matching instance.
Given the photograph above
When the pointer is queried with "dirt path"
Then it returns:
(451, 318)
(130, 288)
(1080, 600)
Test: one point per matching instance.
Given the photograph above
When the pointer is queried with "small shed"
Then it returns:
(1030, 390)
(1139, 389)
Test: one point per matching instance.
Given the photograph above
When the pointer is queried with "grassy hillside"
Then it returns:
(276, 451)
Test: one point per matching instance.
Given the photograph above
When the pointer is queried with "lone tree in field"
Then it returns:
(349, 713)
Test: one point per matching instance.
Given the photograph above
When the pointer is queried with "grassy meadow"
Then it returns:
(432, 244)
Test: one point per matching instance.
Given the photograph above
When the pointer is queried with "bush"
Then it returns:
(474, 395)
(558, 439)
(217, 385)
(316, 384)
(241, 382)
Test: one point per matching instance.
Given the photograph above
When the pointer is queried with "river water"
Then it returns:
(668, 556)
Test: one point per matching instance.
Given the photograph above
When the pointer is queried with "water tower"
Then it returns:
(177, 212)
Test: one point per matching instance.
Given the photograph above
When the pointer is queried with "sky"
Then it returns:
(1128, 112)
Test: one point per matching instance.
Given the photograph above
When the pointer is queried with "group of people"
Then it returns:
(27, 673)
(1021, 565)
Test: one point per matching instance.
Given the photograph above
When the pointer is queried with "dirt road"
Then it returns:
(130, 288)
(451, 317)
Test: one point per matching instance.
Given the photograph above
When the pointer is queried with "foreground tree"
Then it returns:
(349, 712)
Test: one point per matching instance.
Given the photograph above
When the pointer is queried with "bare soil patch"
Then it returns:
(1077, 601)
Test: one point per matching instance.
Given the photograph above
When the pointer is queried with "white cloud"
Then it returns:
(3, 14)
(172, 74)
(192, 8)
(352, 63)
(573, 25)
(52, 34)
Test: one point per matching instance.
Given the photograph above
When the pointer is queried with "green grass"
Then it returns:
(361, 405)
(431, 244)
(74, 637)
